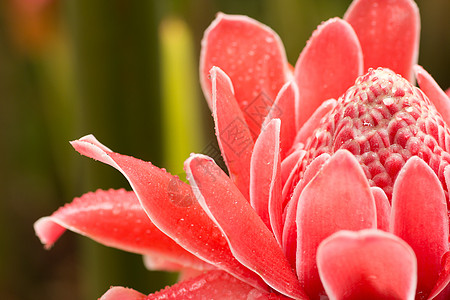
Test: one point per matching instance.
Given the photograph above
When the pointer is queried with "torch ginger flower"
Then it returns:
(345, 199)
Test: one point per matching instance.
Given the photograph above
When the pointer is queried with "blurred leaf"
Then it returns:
(180, 105)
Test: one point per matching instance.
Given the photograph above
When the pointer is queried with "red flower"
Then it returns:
(345, 199)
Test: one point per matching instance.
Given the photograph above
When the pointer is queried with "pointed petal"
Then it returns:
(337, 198)
(419, 216)
(121, 293)
(388, 32)
(441, 288)
(253, 56)
(265, 181)
(290, 226)
(327, 66)
(249, 239)
(171, 206)
(284, 108)
(233, 134)
(368, 264)
(114, 218)
(211, 285)
(436, 95)
(383, 208)
(313, 122)
(288, 164)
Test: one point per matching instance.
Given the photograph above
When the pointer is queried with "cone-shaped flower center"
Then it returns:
(383, 120)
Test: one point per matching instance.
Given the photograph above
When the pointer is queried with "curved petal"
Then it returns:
(114, 218)
(265, 181)
(233, 134)
(290, 226)
(441, 288)
(368, 264)
(288, 164)
(285, 108)
(419, 216)
(121, 293)
(383, 208)
(313, 122)
(436, 95)
(253, 56)
(171, 206)
(388, 32)
(286, 193)
(211, 285)
(341, 192)
(249, 239)
(327, 66)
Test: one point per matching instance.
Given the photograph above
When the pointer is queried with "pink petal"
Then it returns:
(293, 177)
(249, 239)
(447, 92)
(233, 134)
(171, 206)
(284, 108)
(161, 264)
(265, 181)
(388, 32)
(419, 216)
(327, 66)
(114, 218)
(442, 288)
(187, 274)
(313, 122)
(211, 285)
(436, 95)
(290, 226)
(337, 198)
(253, 56)
(288, 164)
(383, 208)
(368, 264)
(121, 293)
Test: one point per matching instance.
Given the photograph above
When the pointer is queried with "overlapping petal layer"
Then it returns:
(212, 285)
(115, 218)
(285, 108)
(337, 198)
(172, 207)
(233, 135)
(289, 186)
(290, 225)
(419, 216)
(249, 238)
(265, 178)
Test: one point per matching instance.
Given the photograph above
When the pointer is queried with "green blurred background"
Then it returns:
(127, 72)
